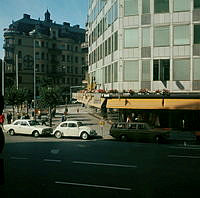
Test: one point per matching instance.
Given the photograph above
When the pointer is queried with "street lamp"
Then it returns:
(34, 79)
(3, 73)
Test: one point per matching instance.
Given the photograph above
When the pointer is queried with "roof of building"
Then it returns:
(27, 25)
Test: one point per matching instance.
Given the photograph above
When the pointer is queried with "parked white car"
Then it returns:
(29, 127)
(74, 129)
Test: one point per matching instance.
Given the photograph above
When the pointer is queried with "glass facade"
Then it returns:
(181, 70)
(131, 38)
(131, 70)
(196, 4)
(196, 34)
(161, 6)
(145, 6)
(145, 37)
(181, 5)
(146, 70)
(161, 70)
(161, 36)
(196, 69)
(181, 35)
(130, 7)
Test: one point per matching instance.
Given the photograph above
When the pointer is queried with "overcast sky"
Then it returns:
(72, 11)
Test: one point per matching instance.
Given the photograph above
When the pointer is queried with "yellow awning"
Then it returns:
(151, 103)
(187, 104)
(135, 103)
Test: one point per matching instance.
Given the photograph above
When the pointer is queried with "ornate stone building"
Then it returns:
(54, 50)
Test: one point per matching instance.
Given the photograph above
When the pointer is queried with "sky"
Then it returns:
(71, 11)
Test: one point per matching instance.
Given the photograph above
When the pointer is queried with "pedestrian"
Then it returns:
(63, 118)
(2, 118)
(9, 117)
(77, 110)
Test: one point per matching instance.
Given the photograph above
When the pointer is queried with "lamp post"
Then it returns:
(34, 79)
(3, 73)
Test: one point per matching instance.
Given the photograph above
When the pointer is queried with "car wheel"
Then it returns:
(123, 138)
(58, 134)
(84, 135)
(36, 133)
(11, 132)
(157, 139)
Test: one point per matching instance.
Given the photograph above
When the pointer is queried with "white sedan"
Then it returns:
(73, 129)
(29, 127)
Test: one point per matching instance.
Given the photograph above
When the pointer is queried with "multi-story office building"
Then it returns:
(53, 49)
(145, 44)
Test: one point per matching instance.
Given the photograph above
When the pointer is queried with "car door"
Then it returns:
(24, 127)
(143, 132)
(16, 126)
(64, 129)
(73, 129)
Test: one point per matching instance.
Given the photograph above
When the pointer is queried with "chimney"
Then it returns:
(26, 16)
(66, 24)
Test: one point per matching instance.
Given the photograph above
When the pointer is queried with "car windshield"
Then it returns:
(80, 124)
(33, 123)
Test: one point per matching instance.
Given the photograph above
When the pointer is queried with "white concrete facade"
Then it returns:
(161, 60)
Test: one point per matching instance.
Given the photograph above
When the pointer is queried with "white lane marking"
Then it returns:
(95, 186)
(51, 160)
(184, 156)
(192, 148)
(55, 151)
(103, 164)
(19, 158)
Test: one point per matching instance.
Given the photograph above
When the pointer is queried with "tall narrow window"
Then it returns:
(196, 34)
(146, 70)
(131, 38)
(115, 72)
(130, 7)
(161, 36)
(116, 41)
(161, 6)
(161, 69)
(196, 69)
(145, 6)
(145, 37)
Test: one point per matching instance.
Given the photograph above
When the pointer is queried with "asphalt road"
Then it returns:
(73, 168)
(46, 167)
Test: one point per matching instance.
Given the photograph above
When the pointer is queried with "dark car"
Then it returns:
(138, 131)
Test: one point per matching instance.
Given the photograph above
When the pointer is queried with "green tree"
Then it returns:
(49, 98)
(15, 97)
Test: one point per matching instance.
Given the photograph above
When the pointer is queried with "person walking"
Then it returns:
(2, 118)
(9, 117)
